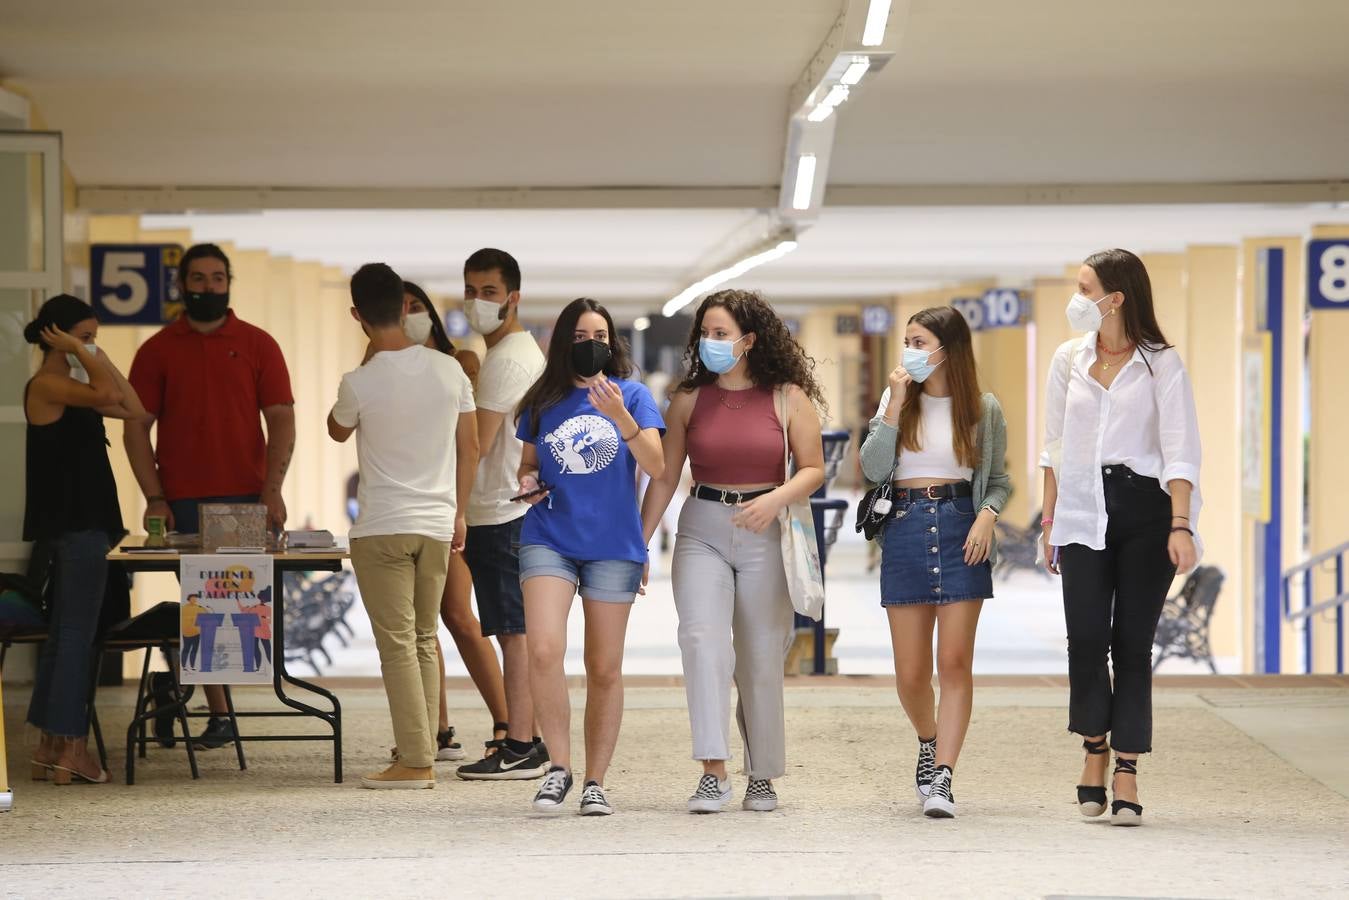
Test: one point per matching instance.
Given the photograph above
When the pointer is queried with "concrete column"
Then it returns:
(1213, 360)
(1170, 297)
(1329, 514)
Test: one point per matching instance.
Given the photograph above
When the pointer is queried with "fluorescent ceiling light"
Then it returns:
(641, 323)
(873, 32)
(730, 273)
(825, 108)
(805, 181)
(855, 71)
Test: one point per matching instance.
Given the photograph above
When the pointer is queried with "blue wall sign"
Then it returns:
(877, 320)
(135, 284)
(998, 308)
(1328, 274)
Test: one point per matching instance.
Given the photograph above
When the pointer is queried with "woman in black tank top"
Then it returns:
(71, 506)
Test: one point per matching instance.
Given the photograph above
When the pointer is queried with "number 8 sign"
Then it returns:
(1328, 274)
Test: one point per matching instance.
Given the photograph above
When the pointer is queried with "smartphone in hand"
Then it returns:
(541, 489)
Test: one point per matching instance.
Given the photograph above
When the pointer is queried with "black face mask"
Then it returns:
(588, 358)
(203, 307)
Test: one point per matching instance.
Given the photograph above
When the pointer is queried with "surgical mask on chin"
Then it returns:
(1084, 314)
(718, 356)
(417, 326)
(917, 365)
(77, 371)
(484, 316)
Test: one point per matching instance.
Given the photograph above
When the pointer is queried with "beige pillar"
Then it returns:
(1213, 360)
(1170, 298)
(1329, 513)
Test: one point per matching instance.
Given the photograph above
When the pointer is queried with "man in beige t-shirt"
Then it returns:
(512, 364)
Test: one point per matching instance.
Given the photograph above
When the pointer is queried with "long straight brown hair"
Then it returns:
(1120, 270)
(953, 333)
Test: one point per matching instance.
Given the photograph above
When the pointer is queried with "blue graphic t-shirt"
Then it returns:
(591, 513)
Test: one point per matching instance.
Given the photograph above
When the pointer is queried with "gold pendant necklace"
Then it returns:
(721, 395)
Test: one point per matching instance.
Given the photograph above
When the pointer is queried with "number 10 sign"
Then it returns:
(135, 284)
(1328, 274)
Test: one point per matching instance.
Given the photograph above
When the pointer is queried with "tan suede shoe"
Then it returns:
(399, 777)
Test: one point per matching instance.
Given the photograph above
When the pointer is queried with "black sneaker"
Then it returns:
(553, 792)
(217, 734)
(940, 802)
(507, 765)
(161, 692)
(927, 768)
(593, 801)
(760, 796)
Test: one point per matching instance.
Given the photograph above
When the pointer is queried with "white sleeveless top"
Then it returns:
(937, 459)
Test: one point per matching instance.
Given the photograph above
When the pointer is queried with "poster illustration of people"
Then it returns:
(226, 624)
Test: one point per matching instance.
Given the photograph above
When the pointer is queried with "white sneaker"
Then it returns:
(711, 795)
(940, 802)
(760, 796)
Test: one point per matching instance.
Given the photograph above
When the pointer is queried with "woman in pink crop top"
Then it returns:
(730, 588)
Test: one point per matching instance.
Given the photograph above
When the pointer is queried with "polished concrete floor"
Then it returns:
(1246, 796)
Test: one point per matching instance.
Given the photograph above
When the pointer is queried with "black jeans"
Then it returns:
(1112, 599)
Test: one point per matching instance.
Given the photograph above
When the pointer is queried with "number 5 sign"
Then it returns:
(1328, 274)
(135, 284)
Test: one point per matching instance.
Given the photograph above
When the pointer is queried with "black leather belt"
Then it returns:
(730, 498)
(936, 492)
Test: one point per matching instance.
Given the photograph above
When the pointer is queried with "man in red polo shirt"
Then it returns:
(204, 379)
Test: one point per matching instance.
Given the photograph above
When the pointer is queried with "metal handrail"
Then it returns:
(1309, 609)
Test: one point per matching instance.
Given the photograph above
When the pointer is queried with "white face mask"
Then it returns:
(77, 371)
(484, 316)
(1084, 314)
(417, 326)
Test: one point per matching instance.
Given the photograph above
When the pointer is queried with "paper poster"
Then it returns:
(226, 620)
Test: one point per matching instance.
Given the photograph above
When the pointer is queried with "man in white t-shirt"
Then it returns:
(512, 364)
(411, 409)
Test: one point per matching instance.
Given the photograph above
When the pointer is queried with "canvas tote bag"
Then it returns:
(800, 551)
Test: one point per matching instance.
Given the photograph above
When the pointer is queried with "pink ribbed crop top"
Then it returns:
(734, 437)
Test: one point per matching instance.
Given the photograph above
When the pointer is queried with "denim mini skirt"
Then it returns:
(923, 554)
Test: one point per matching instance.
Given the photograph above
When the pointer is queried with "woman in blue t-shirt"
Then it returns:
(585, 429)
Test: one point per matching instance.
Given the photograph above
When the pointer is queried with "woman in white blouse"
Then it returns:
(1121, 468)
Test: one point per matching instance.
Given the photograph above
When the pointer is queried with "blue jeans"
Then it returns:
(60, 704)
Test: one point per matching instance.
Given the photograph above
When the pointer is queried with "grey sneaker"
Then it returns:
(760, 796)
(593, 801)
(556, 785)
(711, 795)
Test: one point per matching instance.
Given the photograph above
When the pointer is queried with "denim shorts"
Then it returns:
(923, 555)
(492, 553)
(609, 580)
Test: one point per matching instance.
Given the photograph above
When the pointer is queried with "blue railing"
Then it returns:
(1310, 609)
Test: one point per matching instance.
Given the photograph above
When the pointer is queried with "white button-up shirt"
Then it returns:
(1145, 420)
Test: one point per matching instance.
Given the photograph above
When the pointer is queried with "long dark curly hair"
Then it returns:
(776, 358)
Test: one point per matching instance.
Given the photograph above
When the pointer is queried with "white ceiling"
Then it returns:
(634, 260)
(418, 93)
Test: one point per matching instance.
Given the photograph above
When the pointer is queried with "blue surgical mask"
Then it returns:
(917, 365)
(718, 356)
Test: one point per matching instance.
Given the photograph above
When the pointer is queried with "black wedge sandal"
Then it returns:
(1122, 812)
(1091, 798)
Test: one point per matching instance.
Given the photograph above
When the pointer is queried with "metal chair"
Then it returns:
(1183, 630)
